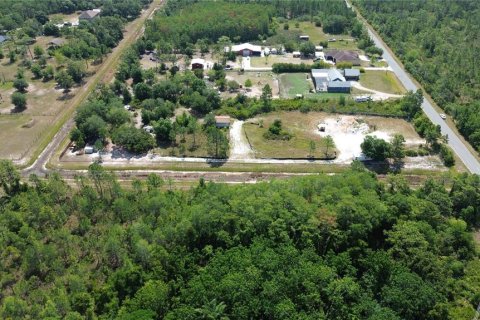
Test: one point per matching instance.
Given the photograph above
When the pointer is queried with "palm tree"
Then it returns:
(212, 310)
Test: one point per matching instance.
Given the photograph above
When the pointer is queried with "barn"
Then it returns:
(197, 64)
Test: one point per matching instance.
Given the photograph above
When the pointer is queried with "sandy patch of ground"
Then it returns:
(348, 134)
(239, 147)
(427, 163)
(363, 57)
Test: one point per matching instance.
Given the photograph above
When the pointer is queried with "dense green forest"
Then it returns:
(211, 20)
(439, 43)
(320, 247)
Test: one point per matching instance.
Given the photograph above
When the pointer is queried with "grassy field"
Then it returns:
(187, 147)
(44, 103)
(263, 62)
(384, 81)
(298, 124)
(328, 95)
(316, 35)
(294, 83)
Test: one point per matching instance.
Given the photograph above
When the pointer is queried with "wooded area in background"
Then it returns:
(439, 44)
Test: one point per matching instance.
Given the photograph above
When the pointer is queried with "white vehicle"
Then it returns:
(362, 98)
(443, 116)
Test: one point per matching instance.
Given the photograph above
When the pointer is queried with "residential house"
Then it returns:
(57, 42)
(3, 39)
(324, 78)
(89, 15)
(339, 87)
(351, 74)
(343, 56)
(245, 49)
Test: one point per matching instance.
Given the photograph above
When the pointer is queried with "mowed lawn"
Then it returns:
(384, 81)
(303, 128)
(292, 84)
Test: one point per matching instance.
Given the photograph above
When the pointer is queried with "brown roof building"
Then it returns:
(89, 14)
(343, 56)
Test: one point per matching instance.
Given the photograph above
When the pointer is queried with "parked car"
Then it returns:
(443, 116)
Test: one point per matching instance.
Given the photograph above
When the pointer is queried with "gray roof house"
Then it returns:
(89, 14)
(57, 42)
(339, 86)
(322, 78)
(3, 39)
(351, 74)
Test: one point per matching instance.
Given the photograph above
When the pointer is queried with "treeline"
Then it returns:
(297, 8)
(211, 20)
(439, 45)
(322, 247)
(33, 14)
(298, 67)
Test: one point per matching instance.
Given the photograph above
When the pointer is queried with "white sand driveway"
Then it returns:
(240, 149)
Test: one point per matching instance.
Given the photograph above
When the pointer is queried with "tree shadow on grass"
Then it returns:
(216, 163)
(66, 96)
(120, 153)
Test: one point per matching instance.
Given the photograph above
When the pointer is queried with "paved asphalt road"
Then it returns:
(453, 140)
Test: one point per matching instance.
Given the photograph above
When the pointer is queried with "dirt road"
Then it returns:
(240, 149)
(105, 74)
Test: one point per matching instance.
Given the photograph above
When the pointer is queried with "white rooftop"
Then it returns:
(246, 46)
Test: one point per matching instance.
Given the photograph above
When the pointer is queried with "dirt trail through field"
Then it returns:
(240, 148)
(377, 95)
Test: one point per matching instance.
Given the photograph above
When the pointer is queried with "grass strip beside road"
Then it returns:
(102, 75)
(450, 122)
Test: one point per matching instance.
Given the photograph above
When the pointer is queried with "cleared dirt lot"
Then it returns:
(258, 79)
(347, 132)
(296, 123)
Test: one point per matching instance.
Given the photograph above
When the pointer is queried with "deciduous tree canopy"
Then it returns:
(321, 247)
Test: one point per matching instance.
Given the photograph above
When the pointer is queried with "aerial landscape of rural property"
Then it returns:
(239, 159)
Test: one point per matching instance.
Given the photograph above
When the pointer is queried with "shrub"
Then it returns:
(447, 156)
(411, 153)
(276, 132)
(19, 100)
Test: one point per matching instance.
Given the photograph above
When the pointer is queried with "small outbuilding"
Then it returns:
(222, 121)
(197, 64)
(89, 150)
